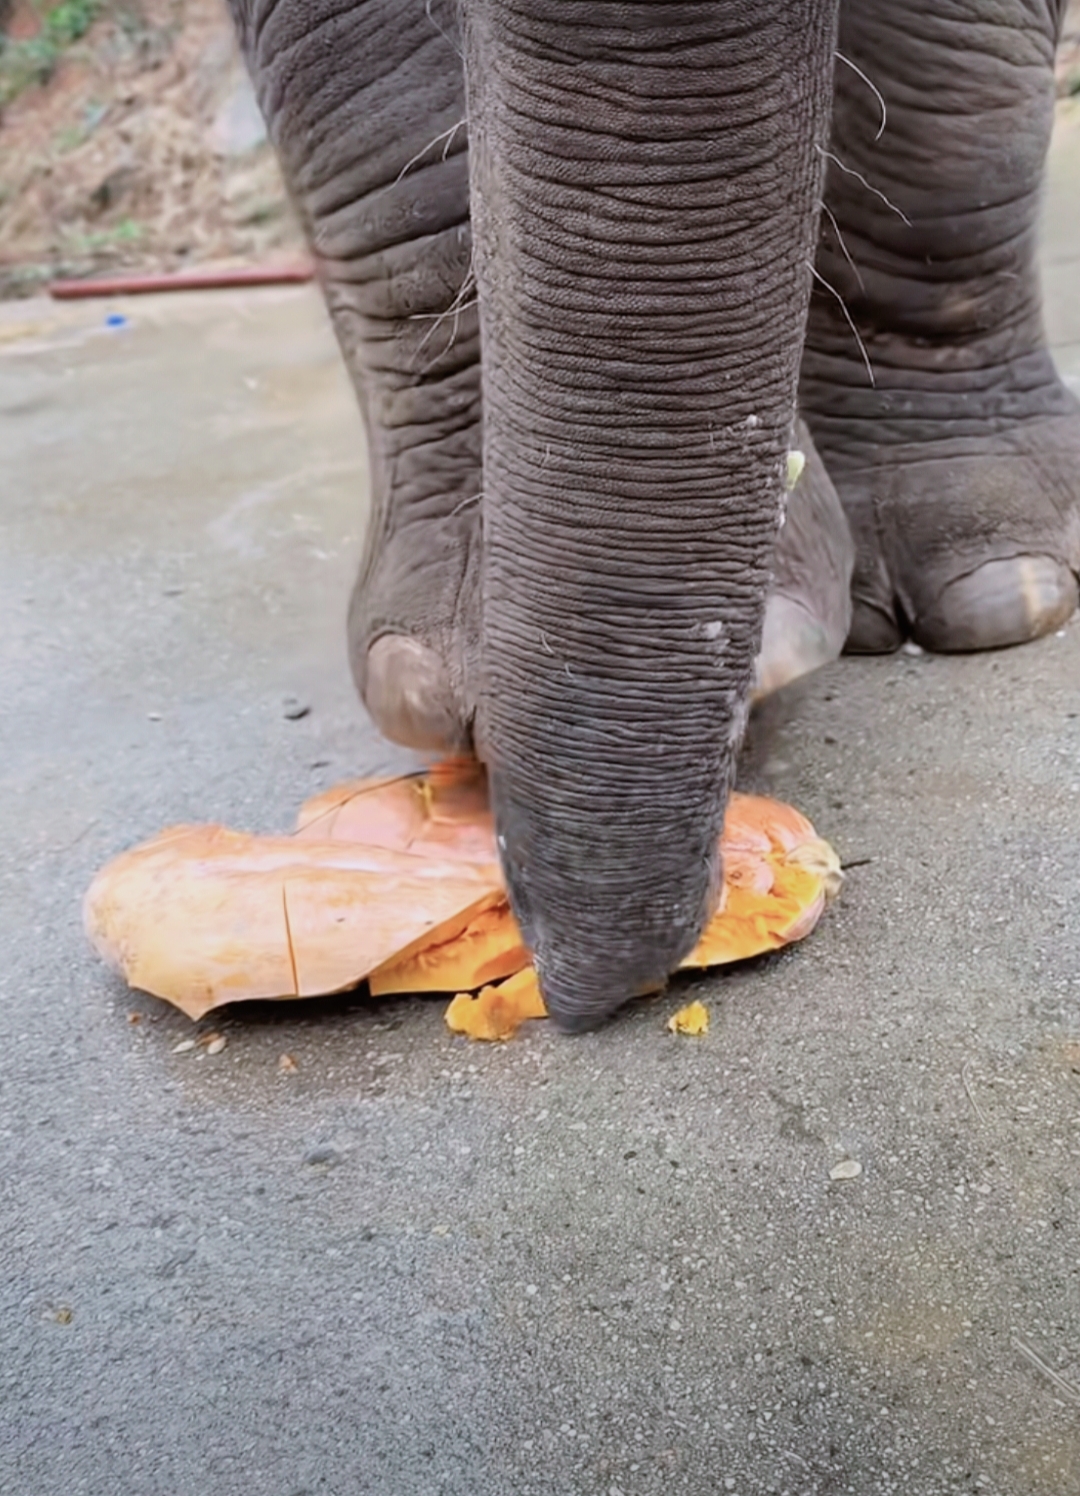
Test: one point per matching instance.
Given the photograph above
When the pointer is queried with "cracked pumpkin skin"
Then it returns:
(397, 881)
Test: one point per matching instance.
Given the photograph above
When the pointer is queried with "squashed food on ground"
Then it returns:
(397, 882)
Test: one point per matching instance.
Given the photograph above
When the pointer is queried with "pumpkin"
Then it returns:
(397, 881)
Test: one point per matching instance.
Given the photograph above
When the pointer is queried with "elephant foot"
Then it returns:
(808, 613)
(966, 543)
(414, 630)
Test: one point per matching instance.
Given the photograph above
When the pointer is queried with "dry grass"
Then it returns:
(123, 158)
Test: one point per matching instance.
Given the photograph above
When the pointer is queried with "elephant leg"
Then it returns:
(958, 458)
(365, 105)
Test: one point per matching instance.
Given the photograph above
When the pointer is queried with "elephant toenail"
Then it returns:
(1002, 602)
(408, 693)
(793, 643)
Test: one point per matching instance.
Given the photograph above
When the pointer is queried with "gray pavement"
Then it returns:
(608, 1265)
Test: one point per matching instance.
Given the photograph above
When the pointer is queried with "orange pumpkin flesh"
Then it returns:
(203, 916)
(398, 881)
(488, 949)
(497, 1012)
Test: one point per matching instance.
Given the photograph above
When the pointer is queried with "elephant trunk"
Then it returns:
(644, 184)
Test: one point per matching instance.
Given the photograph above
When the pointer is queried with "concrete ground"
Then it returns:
(613, 1266)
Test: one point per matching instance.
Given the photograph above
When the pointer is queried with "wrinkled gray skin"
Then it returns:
(620, 203)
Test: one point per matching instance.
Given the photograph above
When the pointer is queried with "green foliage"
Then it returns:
(34, 59)
(126, 232)
(69, 21)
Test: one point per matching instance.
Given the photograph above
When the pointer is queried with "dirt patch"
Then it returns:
(144, 150)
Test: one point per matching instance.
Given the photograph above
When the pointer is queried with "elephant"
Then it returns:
(597, 268)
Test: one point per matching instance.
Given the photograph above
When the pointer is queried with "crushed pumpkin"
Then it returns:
(497, 1012)
(397, 881)
(692, 1020)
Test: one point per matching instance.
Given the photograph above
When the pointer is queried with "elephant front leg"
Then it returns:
(959, 465)
(366, 106)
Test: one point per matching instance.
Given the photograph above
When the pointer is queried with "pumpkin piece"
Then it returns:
(489, 949)
(340, 929)
(140, 921)
(202, 915)
(497, 1012)
(443, 813)
(693, 1019)
(778, 877)
(757, 823)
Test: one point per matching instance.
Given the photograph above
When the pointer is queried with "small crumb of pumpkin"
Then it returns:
(693, 1019)
(498, 1011)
